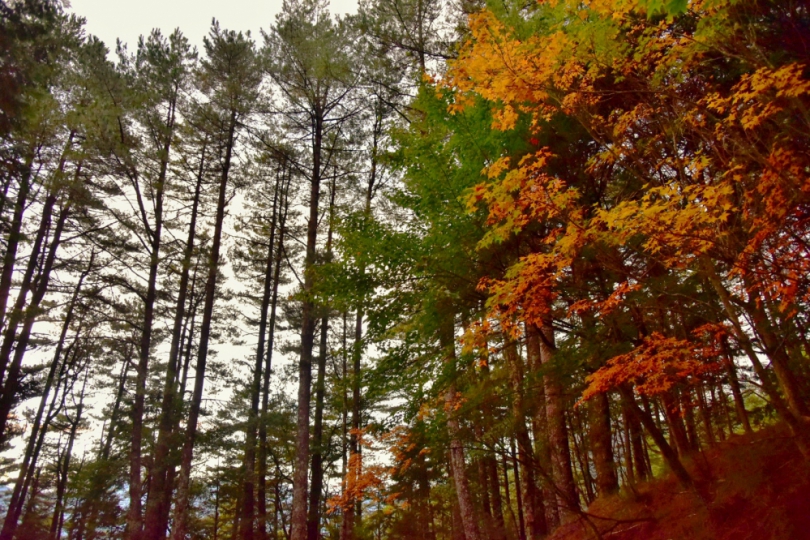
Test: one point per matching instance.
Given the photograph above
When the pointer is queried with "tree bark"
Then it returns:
(29, 458)
(15, 234)
(667, 452)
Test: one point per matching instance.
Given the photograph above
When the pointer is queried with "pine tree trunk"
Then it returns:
(518, 492)
(64, 467)
(184, 480)
(301, 463)
(90, 513)
(667, 452)
(540, 428)
(15, 505)
(15, 235)
(262, 472)
(787, 412)
(160, 486)
(247, 521)
(26, 283)
(345, 522)
(29, 459)
(491, 472)
(736, 391)
(134, 518)
(41, 287)
(314, 521)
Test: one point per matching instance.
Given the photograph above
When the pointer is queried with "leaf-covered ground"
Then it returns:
(759, 489)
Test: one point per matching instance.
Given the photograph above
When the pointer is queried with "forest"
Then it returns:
(436, 270)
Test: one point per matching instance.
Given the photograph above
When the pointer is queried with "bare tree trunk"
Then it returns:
(705, 415)
(345, 523)
(791, 412)
(736, 391)
(516, 525)
(518, 492)
(247, 522)
(540, 428)
(90, 513)
(18, 312)
(134, 517)
(15, 506)
(491, 472)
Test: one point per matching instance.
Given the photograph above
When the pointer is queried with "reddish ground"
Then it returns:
(759, 489)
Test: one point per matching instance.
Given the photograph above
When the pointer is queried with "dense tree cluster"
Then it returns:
(516, 257)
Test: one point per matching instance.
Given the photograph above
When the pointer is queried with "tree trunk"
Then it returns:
(90, 512)
(262, 480)
(786, 412)
(465, 504)
(29, 459)
(540, 428)
(247, 522)
(533, 508)
(301, 464)
(15, 505)
(134, 518)
(667, 452)
(15, 234)
(160, 488)
(184, 481)
(26, 283)
(64, 467)
(601, 443)
(567, 498)
(313, 525)
(736, 391)
(41, 287)
(518, 492)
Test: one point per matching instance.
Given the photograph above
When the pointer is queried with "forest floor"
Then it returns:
(759, 488)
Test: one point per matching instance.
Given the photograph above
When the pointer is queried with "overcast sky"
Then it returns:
(128, 19)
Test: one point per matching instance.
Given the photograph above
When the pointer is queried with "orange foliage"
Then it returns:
(655, 366)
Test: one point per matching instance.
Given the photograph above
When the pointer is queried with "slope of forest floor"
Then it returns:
(759, 489)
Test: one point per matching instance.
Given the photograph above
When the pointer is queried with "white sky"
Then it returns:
(128, 19)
